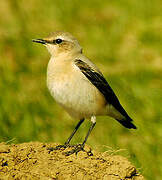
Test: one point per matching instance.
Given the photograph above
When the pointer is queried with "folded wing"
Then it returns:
(97, 79)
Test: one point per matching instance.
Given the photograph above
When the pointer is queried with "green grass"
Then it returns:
(124, 38)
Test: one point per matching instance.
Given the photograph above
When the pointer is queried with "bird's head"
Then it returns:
(60, 42)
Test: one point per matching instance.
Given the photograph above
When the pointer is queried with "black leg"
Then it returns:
(75, 130)
(89, 131)
(66, 144)
(80, 147)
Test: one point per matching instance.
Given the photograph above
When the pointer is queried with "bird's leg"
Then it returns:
(80, 147)
(66, 144)
(93, 119)
(75, 130)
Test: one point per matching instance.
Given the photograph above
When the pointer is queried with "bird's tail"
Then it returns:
(127, 122)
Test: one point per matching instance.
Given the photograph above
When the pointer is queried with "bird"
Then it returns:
(77, 84)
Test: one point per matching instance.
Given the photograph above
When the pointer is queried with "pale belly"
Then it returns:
(77, 96)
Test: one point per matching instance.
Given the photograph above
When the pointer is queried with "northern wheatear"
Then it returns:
(78, 85)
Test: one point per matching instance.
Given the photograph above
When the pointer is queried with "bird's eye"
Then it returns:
(58, 41)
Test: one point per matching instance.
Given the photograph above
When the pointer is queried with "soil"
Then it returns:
(34, 161)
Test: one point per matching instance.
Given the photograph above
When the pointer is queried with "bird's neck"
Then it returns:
(65, 55)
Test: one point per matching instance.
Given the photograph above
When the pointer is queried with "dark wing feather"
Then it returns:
(97, 79)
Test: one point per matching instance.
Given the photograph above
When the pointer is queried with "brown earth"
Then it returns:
(33, 161)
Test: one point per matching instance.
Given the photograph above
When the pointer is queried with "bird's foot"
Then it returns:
(77, 148)
(74, 149)
(59, 147)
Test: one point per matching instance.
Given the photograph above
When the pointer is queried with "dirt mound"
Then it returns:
(33, 161)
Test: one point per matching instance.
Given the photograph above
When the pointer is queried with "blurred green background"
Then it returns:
(123, 37)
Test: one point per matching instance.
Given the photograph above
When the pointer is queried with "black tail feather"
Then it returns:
(127, 123)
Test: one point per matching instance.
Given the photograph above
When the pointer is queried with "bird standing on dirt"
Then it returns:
(78, 85)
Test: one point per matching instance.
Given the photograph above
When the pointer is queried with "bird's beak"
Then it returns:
(42, 41)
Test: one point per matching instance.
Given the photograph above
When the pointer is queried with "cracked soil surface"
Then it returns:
(34, 161)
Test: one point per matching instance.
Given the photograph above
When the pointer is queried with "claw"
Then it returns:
(59, 147)
(89, 153)
(77, 148)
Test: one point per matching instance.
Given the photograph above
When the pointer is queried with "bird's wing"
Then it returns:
(97, 79)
